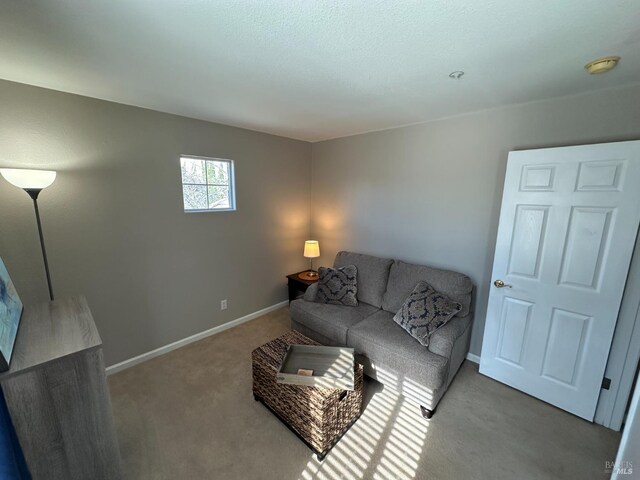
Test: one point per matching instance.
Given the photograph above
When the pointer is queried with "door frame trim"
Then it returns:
(625, 352)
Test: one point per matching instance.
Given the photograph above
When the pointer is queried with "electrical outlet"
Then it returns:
(223, 304)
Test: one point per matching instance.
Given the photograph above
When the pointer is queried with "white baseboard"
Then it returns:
(473, 358)
(118, 367)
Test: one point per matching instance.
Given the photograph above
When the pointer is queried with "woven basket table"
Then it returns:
(318, 416)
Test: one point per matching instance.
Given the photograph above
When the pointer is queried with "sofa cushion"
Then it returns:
(312, 334)
(395, 353)
(424, 312)
(332, 321)
(403, 278)
(338, 286)
(373, 274)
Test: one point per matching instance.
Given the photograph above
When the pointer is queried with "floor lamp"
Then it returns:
(33, 182)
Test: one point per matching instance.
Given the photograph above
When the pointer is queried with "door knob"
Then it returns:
(500, 284)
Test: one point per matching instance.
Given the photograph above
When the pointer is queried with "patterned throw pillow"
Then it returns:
(425, 311)
(338, 286)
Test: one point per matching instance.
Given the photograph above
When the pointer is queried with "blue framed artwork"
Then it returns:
(10, 313)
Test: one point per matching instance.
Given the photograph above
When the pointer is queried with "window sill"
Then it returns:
(211, 210)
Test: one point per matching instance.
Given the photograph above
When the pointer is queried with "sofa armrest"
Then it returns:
(443, 339)
(310, 294)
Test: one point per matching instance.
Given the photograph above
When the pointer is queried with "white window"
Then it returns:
(207, 184)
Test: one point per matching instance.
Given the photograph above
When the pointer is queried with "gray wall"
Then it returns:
(431, 193)
(116, 232)
(114, 225)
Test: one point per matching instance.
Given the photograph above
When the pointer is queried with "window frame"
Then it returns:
(232, 183)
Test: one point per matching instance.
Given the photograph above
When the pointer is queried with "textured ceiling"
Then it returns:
(317, 69)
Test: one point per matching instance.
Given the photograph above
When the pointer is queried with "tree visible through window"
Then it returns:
(207, 184)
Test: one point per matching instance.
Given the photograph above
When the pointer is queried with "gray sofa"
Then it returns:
(389, 354)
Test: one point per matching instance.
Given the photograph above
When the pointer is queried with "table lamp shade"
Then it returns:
(28, 179)
(311, 249)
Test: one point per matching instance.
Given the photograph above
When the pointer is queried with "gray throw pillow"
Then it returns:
(338, 286)
(425, 311)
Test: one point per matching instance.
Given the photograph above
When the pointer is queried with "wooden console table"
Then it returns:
(57, 394)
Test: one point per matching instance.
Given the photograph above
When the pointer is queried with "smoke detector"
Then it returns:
(601, 65)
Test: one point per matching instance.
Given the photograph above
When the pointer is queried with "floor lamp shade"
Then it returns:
(28, 179)
(33, 182)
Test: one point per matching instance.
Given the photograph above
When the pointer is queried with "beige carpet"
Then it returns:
(190, 414)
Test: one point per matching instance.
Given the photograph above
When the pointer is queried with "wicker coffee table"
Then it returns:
(318, 416)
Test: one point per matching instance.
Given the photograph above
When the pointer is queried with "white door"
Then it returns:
(568, 225)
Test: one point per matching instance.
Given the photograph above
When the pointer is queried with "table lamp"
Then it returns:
(33, 182)
(311, 251)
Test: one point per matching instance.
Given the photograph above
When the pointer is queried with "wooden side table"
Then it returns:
(298, 285)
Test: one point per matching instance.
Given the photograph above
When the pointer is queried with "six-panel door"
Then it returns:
(568, 224)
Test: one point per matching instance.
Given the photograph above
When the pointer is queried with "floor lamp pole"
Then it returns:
(33, 193)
